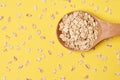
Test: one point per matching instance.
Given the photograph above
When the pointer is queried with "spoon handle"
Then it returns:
(114, 29)
(110, 29)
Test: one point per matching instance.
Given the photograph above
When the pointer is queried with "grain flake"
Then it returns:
(27, 62)
(49, 52)
(54, 71)
(38, 59)
(87, 66)
(72, 68)
(104, 68)
(42, 37)
(20, 66)
(15, 58)
(1, 17)
(40, 70)
(62, 78)
(4, 78)
(59, 66)
(86, 77)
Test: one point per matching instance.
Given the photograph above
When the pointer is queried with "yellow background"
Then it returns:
(50, 62)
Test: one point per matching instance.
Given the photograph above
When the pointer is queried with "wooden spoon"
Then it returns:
(105, 30)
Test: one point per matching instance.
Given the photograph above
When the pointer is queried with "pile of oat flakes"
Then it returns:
(79, 30)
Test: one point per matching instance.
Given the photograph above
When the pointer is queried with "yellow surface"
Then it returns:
(50, 62)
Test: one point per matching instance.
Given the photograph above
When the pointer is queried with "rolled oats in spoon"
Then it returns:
(78, 30)
(81, 31)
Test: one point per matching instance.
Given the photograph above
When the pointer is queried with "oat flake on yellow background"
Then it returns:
(29, 49)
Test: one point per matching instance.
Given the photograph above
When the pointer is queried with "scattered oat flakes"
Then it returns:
(17, 79)
(18, 47)
(56, 12)
(40, 70)
(52, 16)
(9, 19)
(94, 69)
(86, 77)
(1, 17)
(104, 57)
(29, 37)
(110, 11)
(60, 54)
(72, 5)
(44, 9)
(104, 69)
(15, 58)
(96, 8)
(38, 59)
(51, 41)
(68, 1)
(14, 34)
(21, 27)
(98, 55)
(108, 45)
(10, 46)
(43, 78)
(106, 1)
(49, 52)
(19, 15)
(117, 73)
(42, 55)
(117, 51)
(82, 55)
(62, 78)
(10, 62)
(49, 25)
(59, 66)
(106, 9)
(7, 68)
(118, 62)
(35, 7)
(39, 50)
(82, 1)
(29, 15)
(28, 79)
(28, 49)
(53, 3)
(40, 16)
(64, 6)
(5, 50)
(4, 78)
(26, 62)
(69, 51)
(5, 44)
(23, 42)
(38, 32)
(43, 1)
(7, 36)
(4, 28)
(34, 26)
(87, 66)
(118, 56)
(54, 71)
(91, 4)
(72, 68)
(18, 3)
(2, 5)
(42, 37)
(20, 66)
(80, 62)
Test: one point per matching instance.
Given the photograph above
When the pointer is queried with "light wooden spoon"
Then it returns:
(106, 30)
